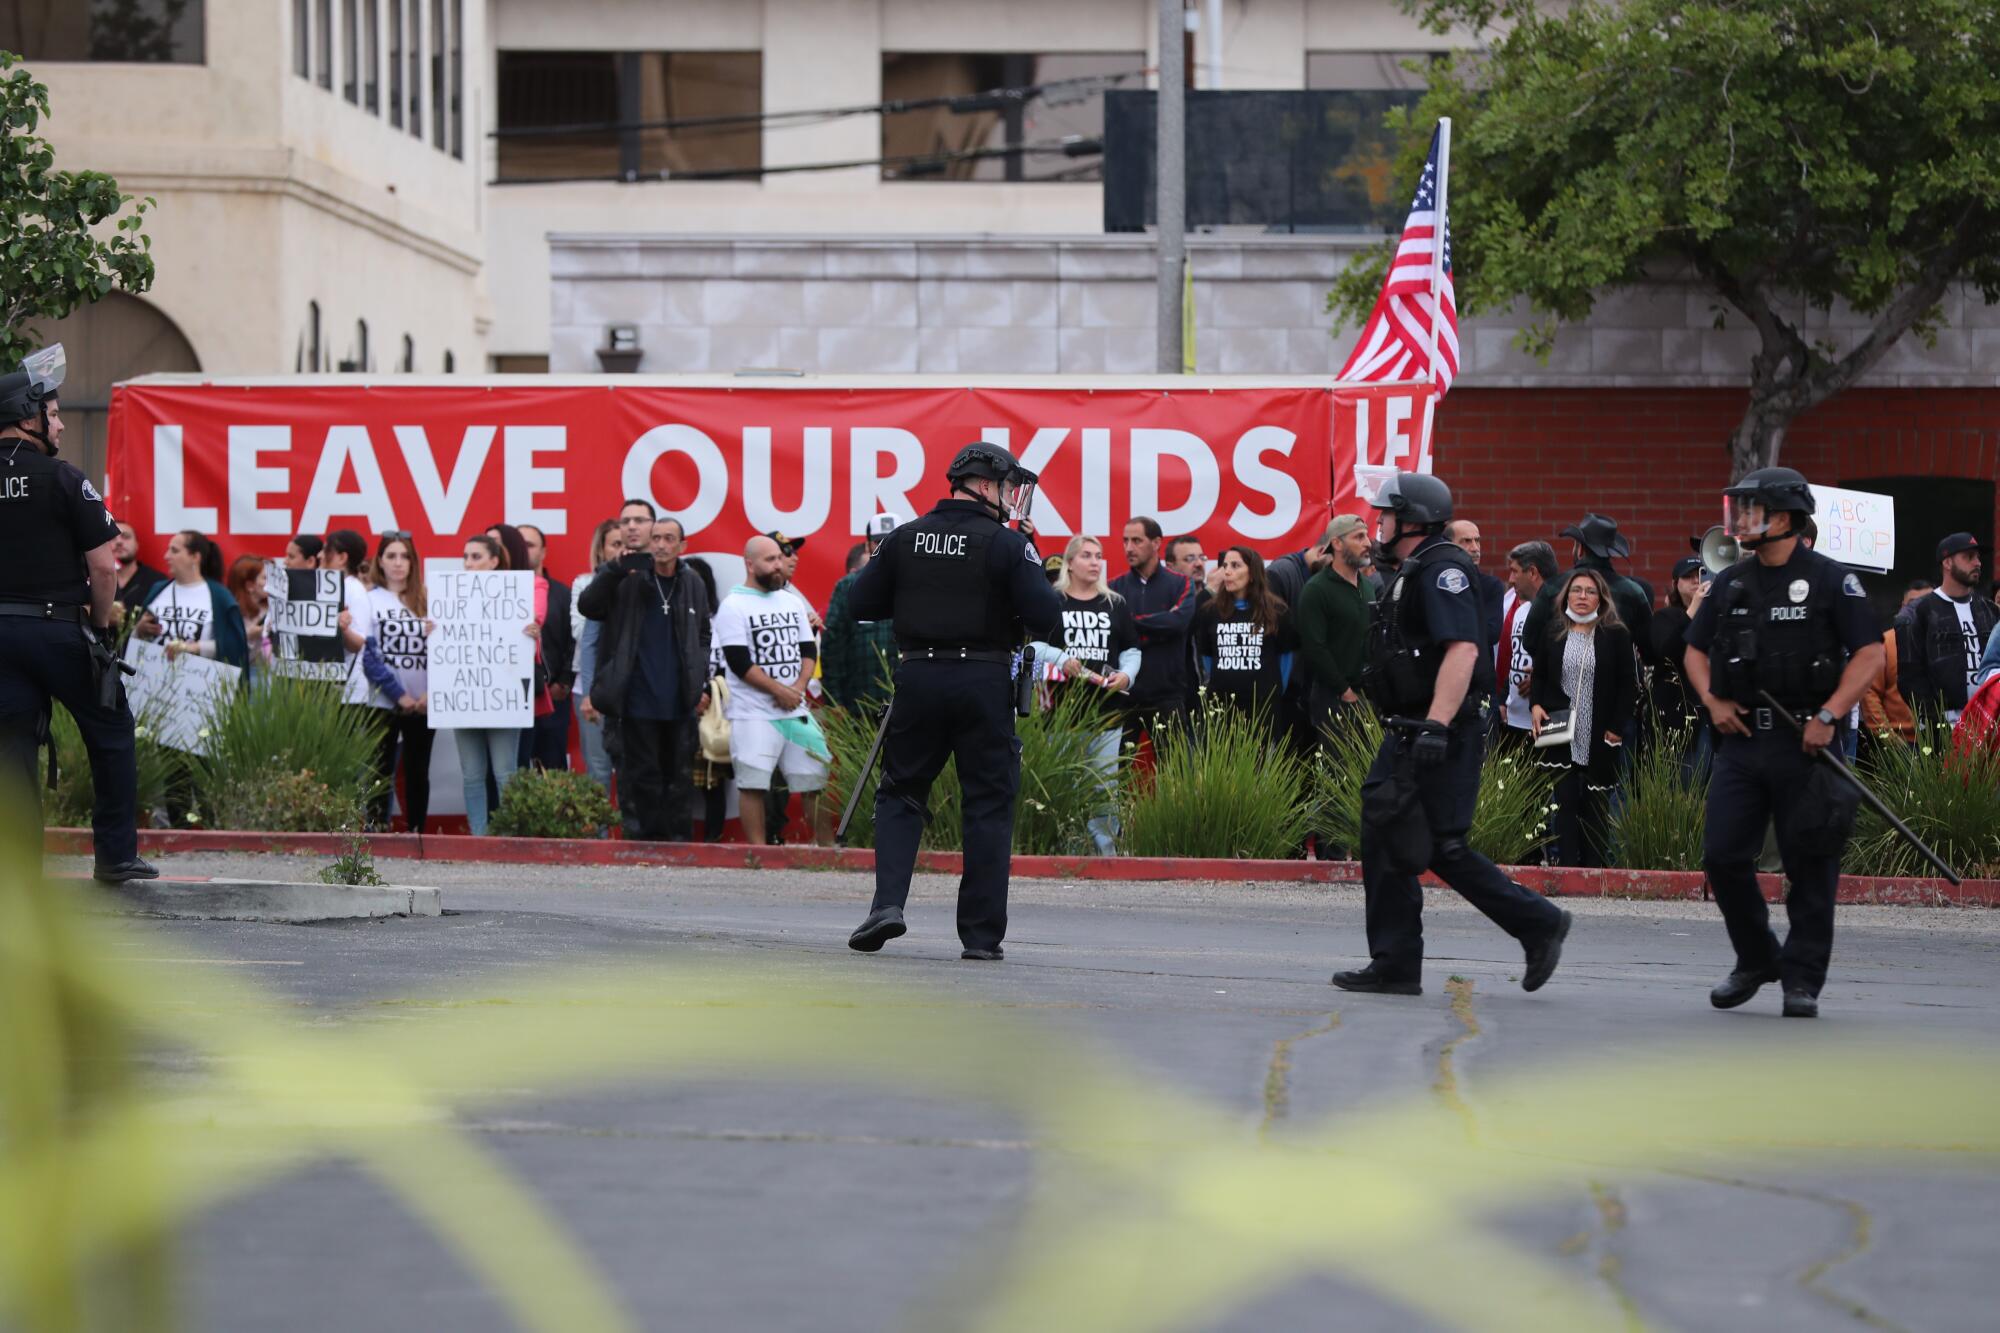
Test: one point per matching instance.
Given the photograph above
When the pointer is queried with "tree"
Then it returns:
(52, 257)
(1785, 154)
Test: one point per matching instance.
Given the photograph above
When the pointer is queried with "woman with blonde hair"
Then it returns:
(1098, 651)
(1587, 666)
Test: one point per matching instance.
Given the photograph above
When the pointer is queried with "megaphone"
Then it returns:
(1719, 550)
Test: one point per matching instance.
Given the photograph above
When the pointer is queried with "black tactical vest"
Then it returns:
(946, 594)
(45, 557)
(1403, 655)
(1782, 639)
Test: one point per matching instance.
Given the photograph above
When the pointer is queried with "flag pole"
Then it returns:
(1437, 282)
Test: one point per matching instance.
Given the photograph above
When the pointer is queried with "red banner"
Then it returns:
(253, 464)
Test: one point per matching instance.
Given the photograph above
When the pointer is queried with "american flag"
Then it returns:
(1396, 342)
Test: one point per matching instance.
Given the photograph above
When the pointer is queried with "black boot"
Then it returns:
(125, 871)
(1740, 986)
(1543, 957)
(1800, 1003)
(1370, 982)
(992, 955)
(878, 930)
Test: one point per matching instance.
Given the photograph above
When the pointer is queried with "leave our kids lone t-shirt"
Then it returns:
(771, 626)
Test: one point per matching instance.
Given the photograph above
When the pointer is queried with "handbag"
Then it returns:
(1557, 730)
(712, 730)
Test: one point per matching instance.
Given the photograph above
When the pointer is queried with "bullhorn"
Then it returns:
(1718, 550)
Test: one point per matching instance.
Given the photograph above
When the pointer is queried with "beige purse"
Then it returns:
(713, 729)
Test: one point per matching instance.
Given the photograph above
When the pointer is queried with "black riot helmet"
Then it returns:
(990, 461)
(1418, 502)
(1748, 505)
(25, 394)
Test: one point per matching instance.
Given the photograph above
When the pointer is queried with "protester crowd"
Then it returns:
(672, 687)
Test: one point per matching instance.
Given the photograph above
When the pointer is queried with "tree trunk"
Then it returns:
(1758, 437)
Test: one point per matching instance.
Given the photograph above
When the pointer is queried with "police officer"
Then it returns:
(58, 612)
(960, 586)
(1430, 678)
(1789, 622)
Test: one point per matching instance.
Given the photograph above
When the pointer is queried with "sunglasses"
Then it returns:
(396, 536)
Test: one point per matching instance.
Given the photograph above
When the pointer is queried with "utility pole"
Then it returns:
(1170, 181)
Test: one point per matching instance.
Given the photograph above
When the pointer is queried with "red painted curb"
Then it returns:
(1556, 882)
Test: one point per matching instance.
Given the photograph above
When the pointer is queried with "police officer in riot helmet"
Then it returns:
(58, 615)
(961, 587)
(1787, 622)
(1429, 676)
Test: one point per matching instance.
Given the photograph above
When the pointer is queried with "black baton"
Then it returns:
(1874, 802)
(861, 779)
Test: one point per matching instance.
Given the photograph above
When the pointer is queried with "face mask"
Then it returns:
(1581, 620)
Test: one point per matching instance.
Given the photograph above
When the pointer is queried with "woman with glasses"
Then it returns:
(397, 661)
(1585, 665)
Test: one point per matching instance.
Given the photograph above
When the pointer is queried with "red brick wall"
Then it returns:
(1525, 463)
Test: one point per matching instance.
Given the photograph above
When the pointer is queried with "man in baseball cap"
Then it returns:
(1940, 636)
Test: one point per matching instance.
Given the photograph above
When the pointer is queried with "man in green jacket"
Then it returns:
(1332, 623)
(853, 652)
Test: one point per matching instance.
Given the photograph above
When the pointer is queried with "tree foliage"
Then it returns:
(1785, 154)
(54, 254)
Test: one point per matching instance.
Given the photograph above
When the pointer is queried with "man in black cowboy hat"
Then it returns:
(1598, 543)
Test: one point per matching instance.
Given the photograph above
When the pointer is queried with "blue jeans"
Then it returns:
(483, 750)
(596, 759)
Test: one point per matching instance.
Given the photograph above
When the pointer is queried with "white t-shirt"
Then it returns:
(185, 612)
(354, 597)
(1514, 619)
(771, 625)
(1970, 634)
(399, 637)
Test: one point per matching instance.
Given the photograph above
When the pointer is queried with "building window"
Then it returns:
(622, 115)
(323, 43)
(450, 365)
(458, 79)
(147, 32)
(360, 347)
(1009, 117)
(302, 38)
(416, 67)
(396, 63)
(350, 52)
(439, 75)
(526, 363)
(409, 365)
(371, 55)
(312, 336)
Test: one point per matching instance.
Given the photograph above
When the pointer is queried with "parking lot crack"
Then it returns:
(1278, 1074)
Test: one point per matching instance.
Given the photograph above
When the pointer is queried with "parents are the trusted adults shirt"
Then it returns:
(1247, 665)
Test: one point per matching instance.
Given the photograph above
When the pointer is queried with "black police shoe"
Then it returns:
(125, 871)
(1739, 986)
(1370, 982)
(878, 930)
(1800, 1003)
(992, 955)
(1543, 957)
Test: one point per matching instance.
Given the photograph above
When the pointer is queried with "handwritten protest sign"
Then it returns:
(1856, 528)
(178, 698)
(482, 662)
(304, 622)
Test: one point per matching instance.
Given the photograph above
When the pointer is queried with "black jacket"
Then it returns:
(621, 600)
(1614, 695)
(558, 662)
(1673, 697)
(1633, 598)
(1931, 662)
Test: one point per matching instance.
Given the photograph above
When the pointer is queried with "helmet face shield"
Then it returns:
(46, 369)
(1017, 494)
(1745, 516)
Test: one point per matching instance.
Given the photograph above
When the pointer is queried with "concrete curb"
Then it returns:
(273, 901)
(1557, 882)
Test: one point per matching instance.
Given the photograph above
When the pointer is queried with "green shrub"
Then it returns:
(1950, 800)
(1227, 788)
(287, 757)
(160, 771)
(1509, 822)
(355, 864)
(551, 803)
(1059, 790)
(1659, 824)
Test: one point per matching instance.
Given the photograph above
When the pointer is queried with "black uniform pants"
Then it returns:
(962, 711)
(656, 777)
(1757, 779)
(50, 659)
(1395, 903)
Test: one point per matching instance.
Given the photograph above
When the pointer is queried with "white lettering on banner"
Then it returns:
(481, 658)
(1149, 446)
(178, 698)
(445, 503)
(370, 498)
(170, 509)
(247, 481)
(636, 481)
(870, 492)
(1281, 487)
(816, 494)
(1042, 446)
(523, 481)
(1396, 442)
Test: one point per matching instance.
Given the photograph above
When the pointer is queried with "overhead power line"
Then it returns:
(908, 165)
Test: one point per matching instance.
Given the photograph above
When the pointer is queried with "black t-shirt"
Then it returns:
(52, 516)
(1095, 631)
(1771, 586)
(1246, 664)
(137, 593)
